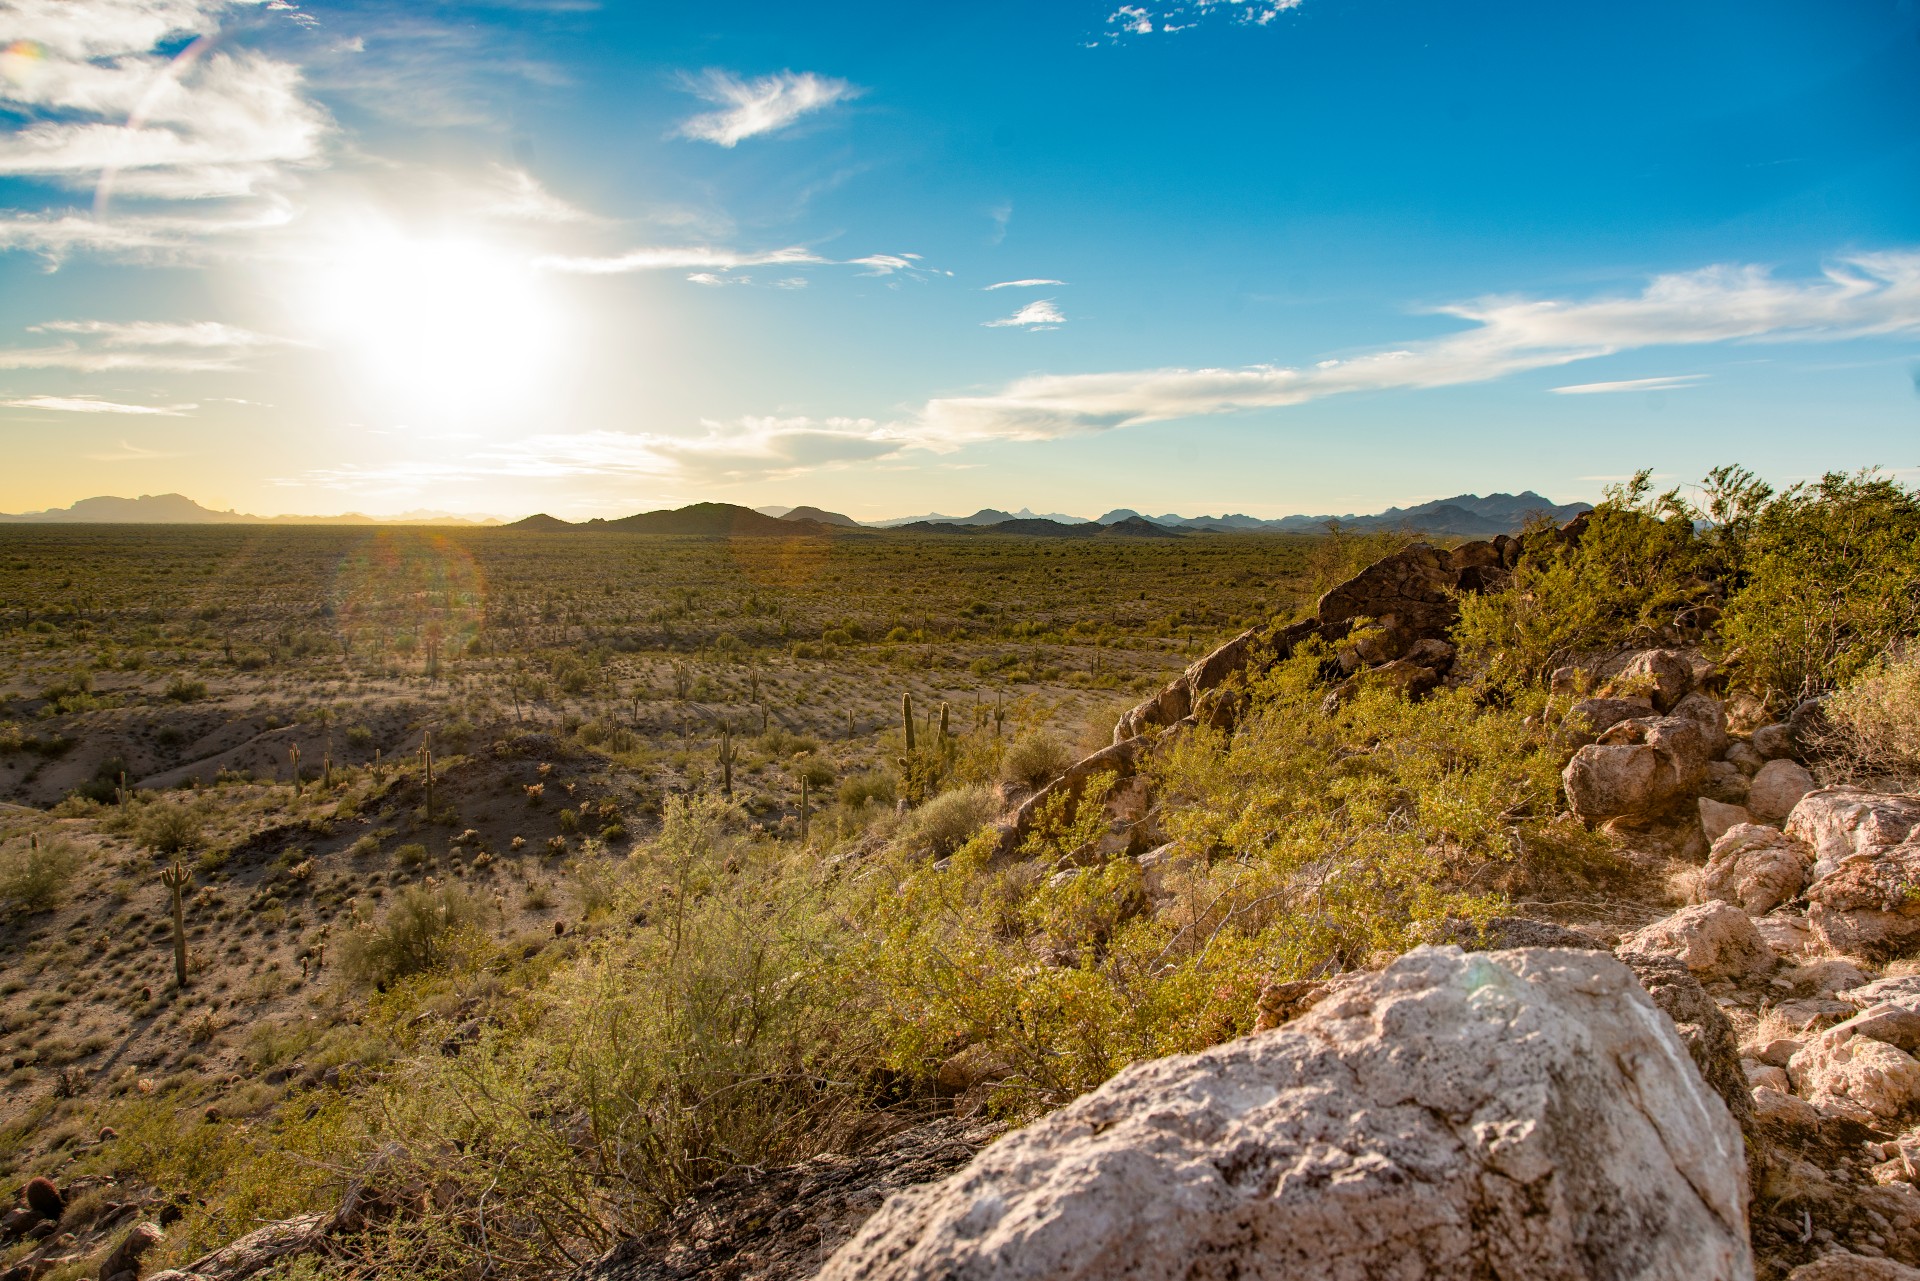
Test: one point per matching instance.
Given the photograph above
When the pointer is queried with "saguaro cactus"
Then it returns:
(906, 719)
(727, 757)
(293, 755)
(806, 806)
(426, 764)
(177, 879)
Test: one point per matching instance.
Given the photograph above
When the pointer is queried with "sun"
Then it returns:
(446, 328)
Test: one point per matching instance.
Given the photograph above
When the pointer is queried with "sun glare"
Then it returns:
(441, 328)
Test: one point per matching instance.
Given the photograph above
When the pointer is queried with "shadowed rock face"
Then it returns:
(1515, 1114)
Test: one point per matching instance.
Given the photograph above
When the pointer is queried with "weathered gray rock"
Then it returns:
(1713, 940)
(1863, 1068)
(1704, 1028)
(124, 1261)
(1707, 712)
(1516, 1114)
(1667, 673)
(1744, 758)
(1589, 718)
(1772, 742)
(1717, 818)
(1870, 905)
(1413, 588)
(1787, 934)
(1847, 1266)
(1637, 767)
(1777, 788)
(1756, 868)
(1839, 822)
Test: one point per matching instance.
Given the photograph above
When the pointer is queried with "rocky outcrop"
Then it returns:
(1713, 940)
(1755, 868)
(1839, 822)
(1638, 767)
(1863, 1068)
(1519, 1114)
(1870, 905)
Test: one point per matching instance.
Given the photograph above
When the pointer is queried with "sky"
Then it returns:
(1291, 256)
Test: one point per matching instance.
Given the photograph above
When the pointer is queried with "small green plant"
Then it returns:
(35, 874)
(945, 823)
(418, 933)
(1035, 759)
(182, 690)
(170, 829)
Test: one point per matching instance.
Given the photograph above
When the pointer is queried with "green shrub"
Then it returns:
(1034, 760)
(1829, 582)
(1874, 722)
(875, 787)
(1638, 576)
(34, 875)
(419, 932)
(944, 823)
(169, 830)
(182, 690)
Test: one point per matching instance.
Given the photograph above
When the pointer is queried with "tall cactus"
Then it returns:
(906, 719)
(727, 756)
(426, 764)
(177, 879)
(806, 806)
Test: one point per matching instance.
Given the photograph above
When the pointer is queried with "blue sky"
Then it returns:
(1326, 256)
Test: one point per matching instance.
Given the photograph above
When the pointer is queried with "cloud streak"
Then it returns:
(1024, 284)
(1866, 295)
(1671, 383)
(100, 346)
(766, 104)
(92, 405)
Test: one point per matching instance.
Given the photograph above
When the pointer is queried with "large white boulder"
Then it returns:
(1754, 867)
(1713, 940)
(1839, 822)
(1517, 1114)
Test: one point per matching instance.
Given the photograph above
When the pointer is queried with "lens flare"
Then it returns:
(21, 62)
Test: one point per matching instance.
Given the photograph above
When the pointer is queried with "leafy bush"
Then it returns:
(1034, 760)
(34, 874)
(1874, 724)
(1637, 576)
(168, 830)
(1830, 581)
(182, 690)
(944, 823)
(871, 787)
(419, 933)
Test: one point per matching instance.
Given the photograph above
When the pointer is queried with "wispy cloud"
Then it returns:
(520, 197)
(709, 263)
(98, 346)
(1040, 314)
(105, 108)
(94, 405)
(1025, 284)
(1671, 383)
(765, 104)
(1152, 16)
(130, 453)
(55, 236)
(1861, 296)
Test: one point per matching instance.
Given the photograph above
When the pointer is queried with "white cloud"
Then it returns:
(1025, 284)
(103, 108)
(1040, 314)
(679, 259)
(1671, 383)
(98, 346)
(139, 238)
(520, 197)
(1866, 295)
(1157, 15)
(765, 104)
(153, 333)
(92, 405)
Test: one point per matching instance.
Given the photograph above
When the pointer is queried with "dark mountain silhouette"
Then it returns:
(178, 509)
(1465, 515)
(818, 516)
(541, 523)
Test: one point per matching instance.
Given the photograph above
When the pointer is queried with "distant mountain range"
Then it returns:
(177, 509)
(1464, 515)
